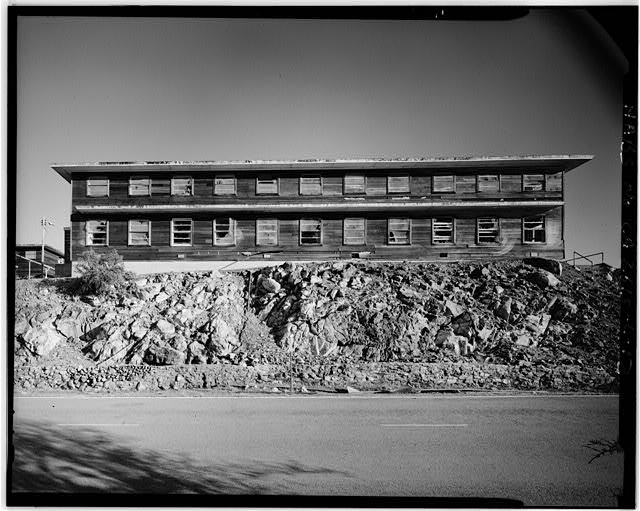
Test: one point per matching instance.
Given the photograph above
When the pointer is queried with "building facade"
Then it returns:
(28, 261)
(413, 209)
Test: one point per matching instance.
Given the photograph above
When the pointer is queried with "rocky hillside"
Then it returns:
(519, 313)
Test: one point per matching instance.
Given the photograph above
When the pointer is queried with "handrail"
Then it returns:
(46, 267)
(585, 257)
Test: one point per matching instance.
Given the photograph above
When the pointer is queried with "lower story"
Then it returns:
(200, 237)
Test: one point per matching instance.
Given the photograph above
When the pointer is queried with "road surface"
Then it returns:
(525, 447)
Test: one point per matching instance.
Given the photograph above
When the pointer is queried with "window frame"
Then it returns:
(87, 233)
(89, 185)
(364, 184)
(543, 182)
(173, 186)
(310, 176)
(453, 230)
(277, 232)
(390, 191)
(225, 176)
(129, 243)
(173, 243)
(300, 232)
(364, 231)
(433, 183)
(497, 236)
(409, 232)
(156, 180)
(544, 229)
(232, 229)
(139, 178)
(276, 179)
(497, 176)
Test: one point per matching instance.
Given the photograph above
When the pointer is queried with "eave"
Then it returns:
(540, 163)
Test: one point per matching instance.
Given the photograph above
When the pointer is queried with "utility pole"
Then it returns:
(44, 222)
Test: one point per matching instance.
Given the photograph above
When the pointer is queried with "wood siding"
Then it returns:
(289, 247)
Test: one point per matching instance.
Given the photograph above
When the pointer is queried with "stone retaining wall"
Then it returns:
(362, 376)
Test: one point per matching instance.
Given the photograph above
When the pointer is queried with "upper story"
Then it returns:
(337, 184)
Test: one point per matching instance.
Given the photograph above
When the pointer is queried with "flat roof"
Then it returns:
(38, 246)
(549, 163)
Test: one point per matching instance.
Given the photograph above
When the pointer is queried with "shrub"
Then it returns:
(103, 273)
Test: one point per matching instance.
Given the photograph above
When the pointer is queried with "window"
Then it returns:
(224, 231)
(181, 231)
(442, 230)
(224, 185)
(399, 231)
(444, 184)
(488, 184)
(97, 233)
(97, 187)
(182, 186)
(139, 232)
(160, 186)
(354, 231)
(554, 182)
(533, 182)
(398, 184)
(311, 185)
(533, 230)
(267, 186)
(139, 186)
(353, 183)
(310, 232)
(488, 230)
(31, 254)
(266, 231)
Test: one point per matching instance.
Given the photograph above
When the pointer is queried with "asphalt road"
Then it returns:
(525, 447)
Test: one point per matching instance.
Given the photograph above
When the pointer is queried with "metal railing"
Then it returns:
(578, 257)
(43, 272)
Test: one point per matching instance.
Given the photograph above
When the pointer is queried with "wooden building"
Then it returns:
(28, 261)
(422, 208)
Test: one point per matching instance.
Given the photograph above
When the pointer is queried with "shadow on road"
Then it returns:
(52, 458)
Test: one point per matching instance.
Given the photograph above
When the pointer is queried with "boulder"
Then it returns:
(464, 325)
(524, 339)
(165, 328)
(562, 309)
(163, 355)
(550, 265)
(543, 279)
(452, 308)
(270, 285)
(537, 324)
(41, 340)
(504, 310)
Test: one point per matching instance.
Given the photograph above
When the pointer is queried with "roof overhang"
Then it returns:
(546, 164)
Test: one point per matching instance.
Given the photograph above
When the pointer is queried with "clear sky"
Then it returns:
(178, 89)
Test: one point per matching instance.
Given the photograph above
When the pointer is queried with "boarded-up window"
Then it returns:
(97, 187)
(224, 185)
(182, 186)
(376, 185)
(442, 230)
(488, 230)
(310, 232)
(399, 231)
(266, 231)
(354, 231)
(533, 182)
(97, 233)
(488, 183)
(181, 231)
(398, 184)
(31, 254)
(224, 231)
(554, 182)
(139, 232)
(444, 184)
(160, 186)
(267, 186)
(311, 185)
(533, 230)
(139, 186)
(353, 183)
